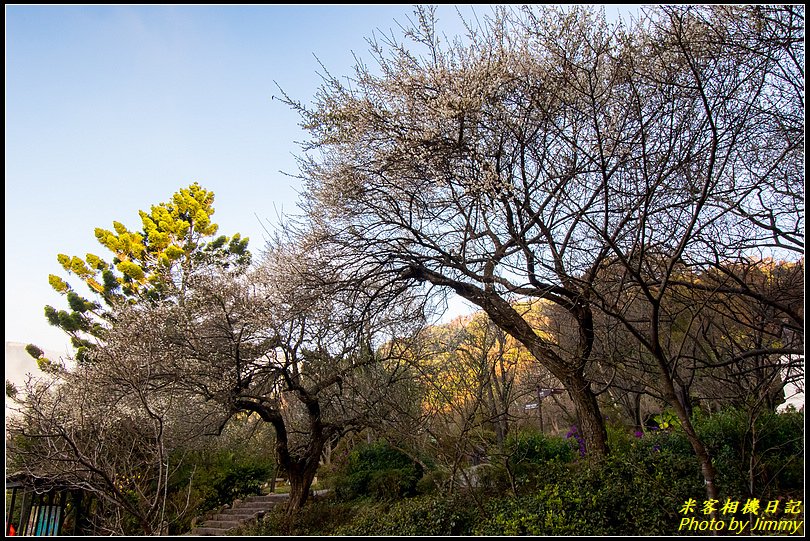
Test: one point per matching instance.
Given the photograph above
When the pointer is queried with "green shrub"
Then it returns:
(780, 454)
(418, 516)
(390, 484)
(530, 456)
(538, 448)
(376, 470)
(315, 518)
(620, 495)
(638, 489)
(771, 449)
(223, 476)
(619, 439)
(776, 462)
(432, 481)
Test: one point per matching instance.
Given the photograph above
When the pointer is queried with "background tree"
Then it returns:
(467, 388)
(477, 387)
(745, 350)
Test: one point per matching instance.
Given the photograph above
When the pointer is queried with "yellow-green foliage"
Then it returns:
(59, 285)
(132, 270)
(95, 262)
(171, 232)
(174, 252)
(150, 264)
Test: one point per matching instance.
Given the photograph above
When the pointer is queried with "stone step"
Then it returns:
(253, 505)
(241, 511)
(224, 524)
(234, 516)
(268, 498)
(208, 531)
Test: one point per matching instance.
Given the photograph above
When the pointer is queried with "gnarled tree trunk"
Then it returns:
(301, 474)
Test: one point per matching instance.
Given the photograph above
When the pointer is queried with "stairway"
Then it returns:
(239, 514)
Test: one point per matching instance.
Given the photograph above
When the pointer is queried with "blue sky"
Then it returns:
(112, 109)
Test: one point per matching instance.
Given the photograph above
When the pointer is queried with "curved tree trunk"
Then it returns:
(301, 476)
(301, 471)
(301, 467)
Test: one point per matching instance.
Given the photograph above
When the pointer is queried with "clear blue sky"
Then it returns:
(112, 109)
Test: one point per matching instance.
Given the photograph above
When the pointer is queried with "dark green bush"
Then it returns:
(620, 495)
(780, 454)
(529, 447)
(315, 518)
(393, 483)
(769, 448)
(432, 481)
(419, 516)
(377, 470)
(529, 456)
(223, 476)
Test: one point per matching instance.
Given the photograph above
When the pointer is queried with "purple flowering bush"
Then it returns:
(573, 432)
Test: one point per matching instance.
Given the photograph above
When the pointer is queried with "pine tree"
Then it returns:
(148, 266)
